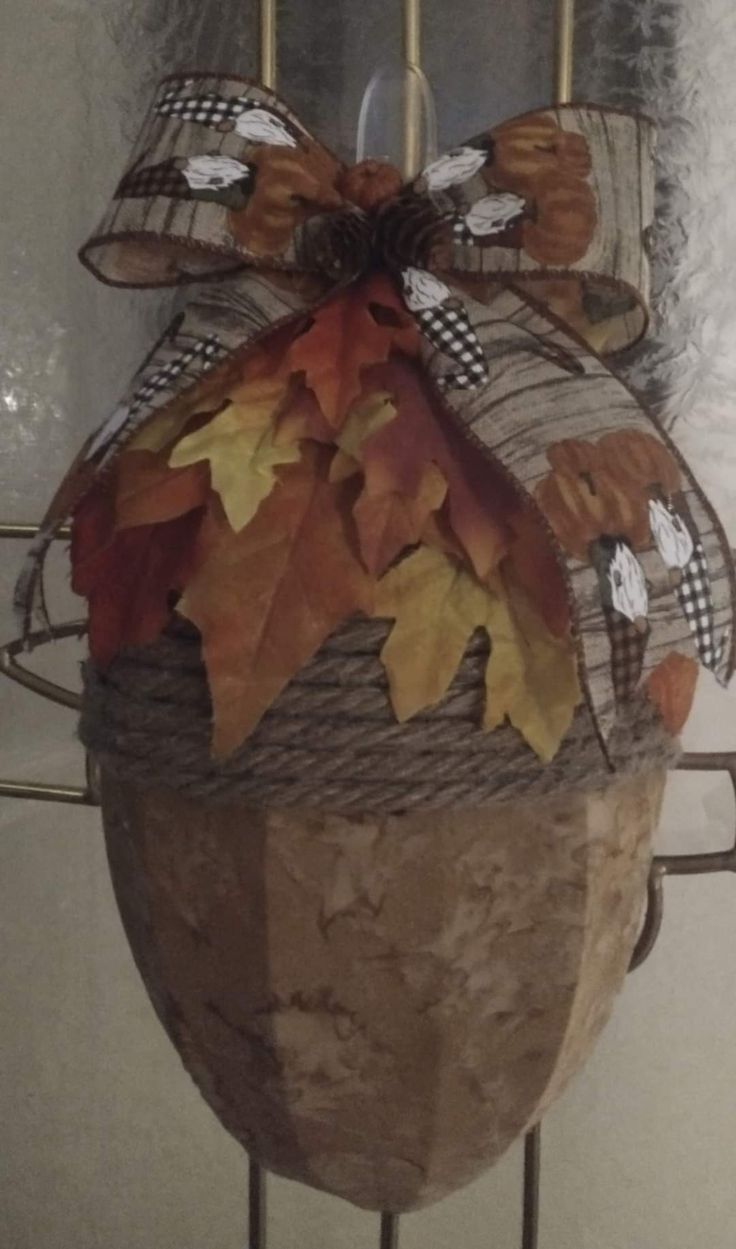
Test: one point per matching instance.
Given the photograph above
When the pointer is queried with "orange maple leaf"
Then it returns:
(266, 598)
(356, 328)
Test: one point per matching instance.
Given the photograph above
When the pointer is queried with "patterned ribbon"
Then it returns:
(523, 256)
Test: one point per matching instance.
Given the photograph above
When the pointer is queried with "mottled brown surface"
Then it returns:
(378, 1006)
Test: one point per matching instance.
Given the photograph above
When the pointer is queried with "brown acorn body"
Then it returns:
(378, 1006)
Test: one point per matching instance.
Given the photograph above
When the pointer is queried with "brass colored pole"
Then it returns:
(412, 32)
(412, 46)
(16, 529)
(267, 71)
(564, 49)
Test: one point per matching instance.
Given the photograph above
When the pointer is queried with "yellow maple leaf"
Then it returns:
(165, 427)
(532, 675)
(239, 445)
(437, 605)
(364, 419)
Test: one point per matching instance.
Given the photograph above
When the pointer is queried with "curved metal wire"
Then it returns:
(49, 690)
(705, 864)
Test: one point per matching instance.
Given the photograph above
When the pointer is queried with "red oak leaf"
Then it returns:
(129, 577)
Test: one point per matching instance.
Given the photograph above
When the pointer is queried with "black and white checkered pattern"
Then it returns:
(209, 109)
(448, 328)
(696, 601)
(462, 232)
(208, 350)
(129, 415)
(628, 647)
(723, 658)
(163, 179)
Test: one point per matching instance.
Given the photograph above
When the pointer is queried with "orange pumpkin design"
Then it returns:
(291, 184)
(548, 166)
(640, 462)
(582, 500)
(529, 146)
(671, 687)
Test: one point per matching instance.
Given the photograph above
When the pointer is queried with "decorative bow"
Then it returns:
(522, 256)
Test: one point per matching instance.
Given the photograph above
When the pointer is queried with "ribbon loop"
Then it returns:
(582, 177)
(223, 175)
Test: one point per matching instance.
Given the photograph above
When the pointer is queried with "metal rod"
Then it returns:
(412, 52)
(267, 35)
(532, 1177)
(389, 1231)
(48, 793)
(564, 50)
(697, 864)
(10, 529)
(256, 1206)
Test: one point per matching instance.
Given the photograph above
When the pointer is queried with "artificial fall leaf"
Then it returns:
(148, 492)
(437, 533)
(671, 687)
(128, 578)
(534, 566)
(265, 599)
(301, 417)
(437, 606)
(365, 418)
(532, 676)
(389, 521)
(167, 425)
(239, 445)
(228, 382)
(354, 329)
(395, 460)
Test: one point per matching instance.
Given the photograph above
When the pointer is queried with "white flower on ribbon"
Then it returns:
(207, 172)
(493, 213)
(628, 584)
(672, 537)
(260, 125)
(422, 290)
(455, 167)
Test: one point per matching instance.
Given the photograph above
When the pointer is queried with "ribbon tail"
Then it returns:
(532, 417)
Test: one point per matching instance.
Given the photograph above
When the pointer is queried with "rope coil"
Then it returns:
(148, 719)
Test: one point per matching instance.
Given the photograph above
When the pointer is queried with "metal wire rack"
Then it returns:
(88, 795)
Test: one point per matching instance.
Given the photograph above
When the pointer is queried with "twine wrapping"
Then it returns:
(331, 740)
